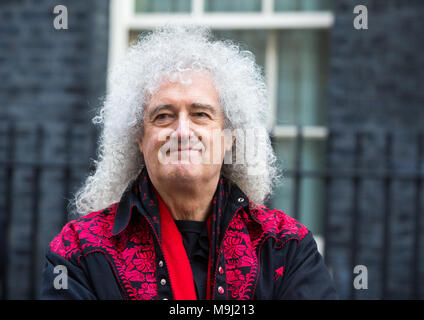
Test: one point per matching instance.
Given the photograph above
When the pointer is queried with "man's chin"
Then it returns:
(183, 172)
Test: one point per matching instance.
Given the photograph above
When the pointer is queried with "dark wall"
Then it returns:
(376, 85)
(52, 79)
(49, 74)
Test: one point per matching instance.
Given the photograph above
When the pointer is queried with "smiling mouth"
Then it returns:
(189, 149)
(183, 150)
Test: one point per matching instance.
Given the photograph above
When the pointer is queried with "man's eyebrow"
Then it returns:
(208, 107)
(195, 105)
(159, 108)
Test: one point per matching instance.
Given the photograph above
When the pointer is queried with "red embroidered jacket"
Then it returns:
(255, 252)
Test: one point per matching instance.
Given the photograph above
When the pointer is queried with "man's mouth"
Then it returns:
(184, 150)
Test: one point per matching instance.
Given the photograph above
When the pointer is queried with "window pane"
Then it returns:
(312, 204)
(312, 155)
(143, 6)
(302, 5)
(233, 5)
(311, 188)
(252, 40)
(302, 77)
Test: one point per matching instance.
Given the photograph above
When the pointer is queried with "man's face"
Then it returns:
(180, 142)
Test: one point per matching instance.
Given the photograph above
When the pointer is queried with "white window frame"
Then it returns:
(123, 19)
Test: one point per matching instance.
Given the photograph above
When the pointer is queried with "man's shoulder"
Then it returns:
(277, 224)
(86, 229)
(103, 218)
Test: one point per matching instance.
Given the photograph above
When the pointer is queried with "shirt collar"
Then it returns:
(139, 194)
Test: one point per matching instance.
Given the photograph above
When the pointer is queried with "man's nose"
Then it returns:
(183, 128)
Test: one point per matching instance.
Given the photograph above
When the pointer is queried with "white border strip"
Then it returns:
(290, 131)
(286, 20)
(119, 16)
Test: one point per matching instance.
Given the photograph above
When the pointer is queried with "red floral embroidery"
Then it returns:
(243, 240)
(132, 252)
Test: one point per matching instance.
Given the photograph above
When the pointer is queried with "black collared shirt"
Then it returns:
(195, 239)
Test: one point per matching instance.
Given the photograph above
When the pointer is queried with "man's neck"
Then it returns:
(192, 202)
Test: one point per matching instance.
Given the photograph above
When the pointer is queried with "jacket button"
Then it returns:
(161, 263)
(163, 282)
(220, 290)
(220, 270)
(240, 199)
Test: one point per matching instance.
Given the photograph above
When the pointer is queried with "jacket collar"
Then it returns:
(140, 195)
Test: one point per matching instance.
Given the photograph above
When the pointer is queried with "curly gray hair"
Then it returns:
(168, 51)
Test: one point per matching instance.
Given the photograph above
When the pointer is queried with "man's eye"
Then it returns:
(201, 114)
(162, 116)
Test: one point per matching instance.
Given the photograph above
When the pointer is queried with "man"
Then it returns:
(175, 208)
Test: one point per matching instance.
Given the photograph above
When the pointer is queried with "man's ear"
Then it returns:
(228, 143)
(140, 143)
